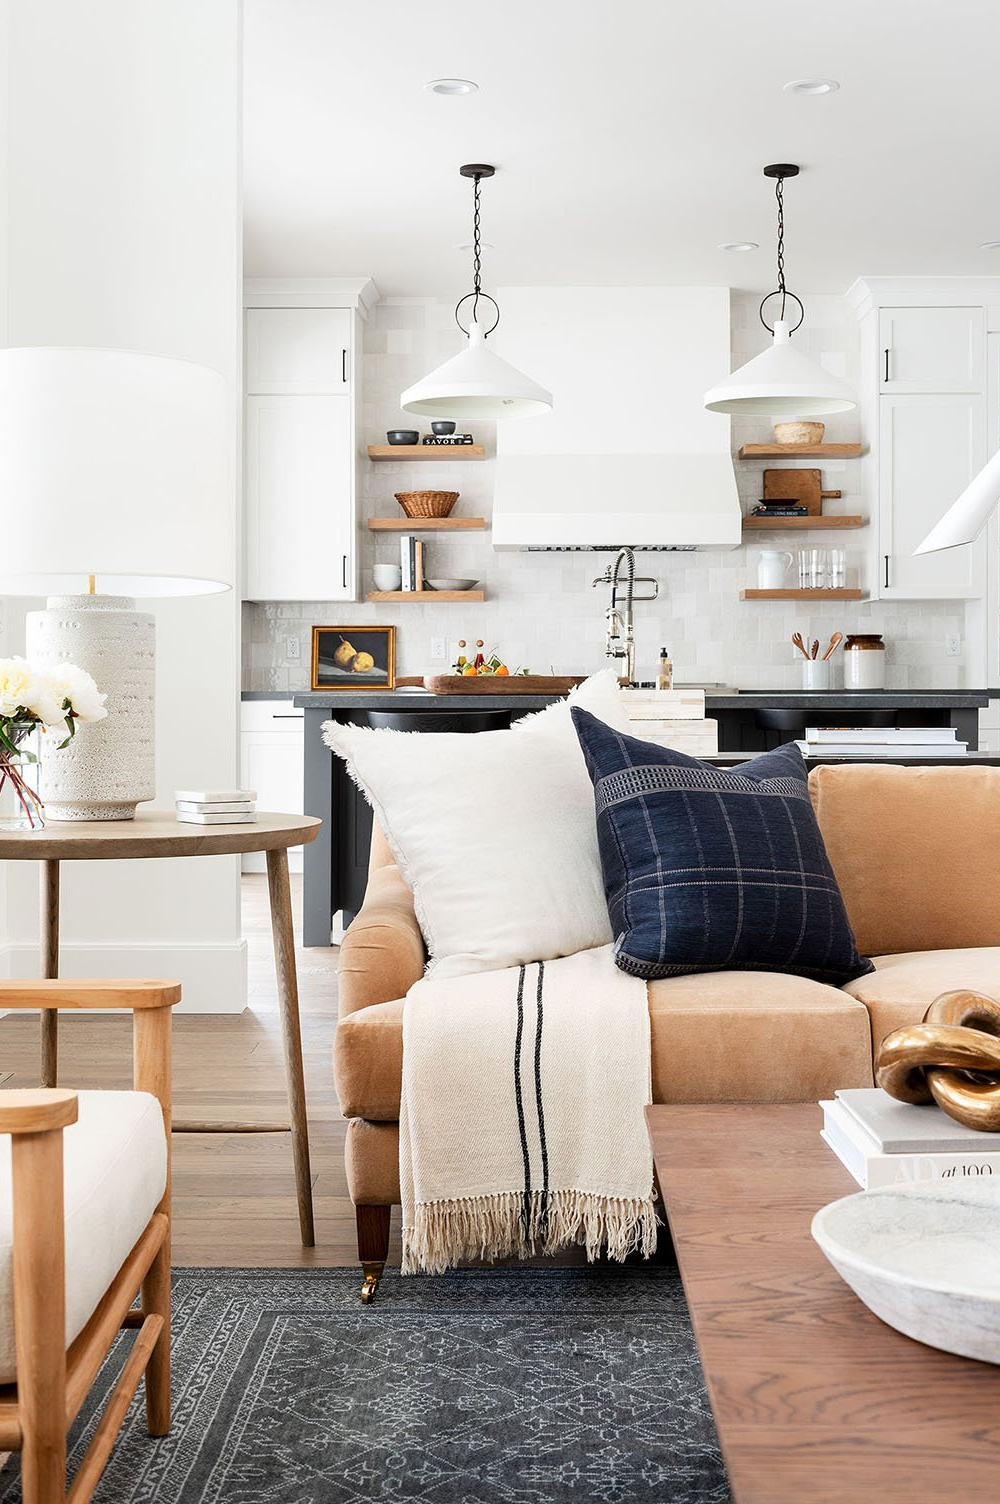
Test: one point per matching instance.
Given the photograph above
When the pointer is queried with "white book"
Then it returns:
(887, 734)
(213, 796)
(859, 1153)
(222, 807)
(194, 817)
(874, 750)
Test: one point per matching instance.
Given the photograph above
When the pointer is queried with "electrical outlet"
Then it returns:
(953, 645)
(293, 649)
(438, 649)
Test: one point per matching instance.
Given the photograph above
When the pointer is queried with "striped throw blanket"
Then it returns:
(521, 1127)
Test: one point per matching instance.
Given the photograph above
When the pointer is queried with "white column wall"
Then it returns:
(124, 229)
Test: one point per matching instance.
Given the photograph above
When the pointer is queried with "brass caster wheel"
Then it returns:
(373, 1274)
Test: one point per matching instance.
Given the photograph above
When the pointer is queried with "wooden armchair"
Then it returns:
(73, 1257)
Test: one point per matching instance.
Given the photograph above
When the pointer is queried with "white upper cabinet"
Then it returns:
(929, 447)
(300, 508)
(301, 454)
(298, 350)
(932, 349)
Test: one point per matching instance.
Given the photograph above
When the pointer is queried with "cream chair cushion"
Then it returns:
(114, 1178)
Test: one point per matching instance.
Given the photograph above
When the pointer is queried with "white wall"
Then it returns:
(124, 229)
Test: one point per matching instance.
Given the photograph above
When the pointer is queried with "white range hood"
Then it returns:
(628, 454)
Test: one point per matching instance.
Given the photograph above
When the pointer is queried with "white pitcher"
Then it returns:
(772, 566)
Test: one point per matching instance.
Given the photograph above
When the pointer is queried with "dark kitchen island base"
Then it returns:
(336, 864)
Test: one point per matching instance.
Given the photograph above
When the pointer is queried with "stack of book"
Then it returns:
(885, 1142)
(882, 741)
(216, 806)
(411, 562)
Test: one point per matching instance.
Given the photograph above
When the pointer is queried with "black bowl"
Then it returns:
(442, 426)
(403, 436)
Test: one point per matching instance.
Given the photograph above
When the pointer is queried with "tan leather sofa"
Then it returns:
(917, 855)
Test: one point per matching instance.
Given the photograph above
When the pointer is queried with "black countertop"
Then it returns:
(757, 699)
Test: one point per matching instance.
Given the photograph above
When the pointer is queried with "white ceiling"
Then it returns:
(629, 140)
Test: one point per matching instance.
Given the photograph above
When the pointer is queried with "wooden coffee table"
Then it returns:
(815, 1400)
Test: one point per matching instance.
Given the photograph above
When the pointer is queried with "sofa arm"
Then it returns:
(382, 953)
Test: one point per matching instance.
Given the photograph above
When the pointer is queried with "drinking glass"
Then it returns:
(813, 568)
(837, 568)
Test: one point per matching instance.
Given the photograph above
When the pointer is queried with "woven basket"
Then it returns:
(427, 503)
(799, 433)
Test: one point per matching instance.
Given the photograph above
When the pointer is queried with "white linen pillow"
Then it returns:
(494, 831)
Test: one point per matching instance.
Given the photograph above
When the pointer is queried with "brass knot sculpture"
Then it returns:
(952, 1058)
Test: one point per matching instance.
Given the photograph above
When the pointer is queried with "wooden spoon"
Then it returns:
(835, 642)
(797, 641)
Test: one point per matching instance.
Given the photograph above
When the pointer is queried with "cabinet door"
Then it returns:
(299, 499)
(932, 349)
(290, 350)
(272, 763)
(929, 449)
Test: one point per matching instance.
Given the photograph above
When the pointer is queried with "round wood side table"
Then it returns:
(157, 833)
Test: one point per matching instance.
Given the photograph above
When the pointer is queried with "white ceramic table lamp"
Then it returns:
(116, 481)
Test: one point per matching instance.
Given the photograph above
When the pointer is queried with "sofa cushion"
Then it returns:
(114, 1176)
(914, 850)
(902, 987)
(494, 833)
(723, 1036)
(714, 869)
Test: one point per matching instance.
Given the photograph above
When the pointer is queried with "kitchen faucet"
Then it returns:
(619, 642)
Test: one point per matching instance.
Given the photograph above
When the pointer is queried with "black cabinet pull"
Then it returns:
(343, 578)
(343, 365)
(887, 571)
(887, 365)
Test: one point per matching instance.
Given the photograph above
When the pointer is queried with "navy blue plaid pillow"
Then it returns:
(711, 869)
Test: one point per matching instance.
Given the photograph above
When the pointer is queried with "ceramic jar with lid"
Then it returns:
(864, 661)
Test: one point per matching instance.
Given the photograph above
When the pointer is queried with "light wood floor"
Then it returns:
(233, 1196)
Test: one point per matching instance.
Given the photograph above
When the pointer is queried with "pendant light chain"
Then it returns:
(476, 296)
(779, 193)
(477, 280)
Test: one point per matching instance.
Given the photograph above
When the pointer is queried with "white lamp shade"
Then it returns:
(118, 465)
(476, 384)
(780, 383)
(966, 517)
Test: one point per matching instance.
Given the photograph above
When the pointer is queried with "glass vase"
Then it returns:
(21, 807)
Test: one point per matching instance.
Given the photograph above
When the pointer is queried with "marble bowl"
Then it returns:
(925, 1258)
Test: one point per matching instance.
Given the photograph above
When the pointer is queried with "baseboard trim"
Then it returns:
(213, 976)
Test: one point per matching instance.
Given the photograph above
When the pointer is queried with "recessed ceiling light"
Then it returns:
(452, 86)
(990, 245)
(812, 86)
(739, 245)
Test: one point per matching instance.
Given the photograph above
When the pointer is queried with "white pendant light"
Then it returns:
(476, 383)
(780, 383)
(966, 517)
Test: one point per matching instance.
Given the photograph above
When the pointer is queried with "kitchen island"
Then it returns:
(336, 863)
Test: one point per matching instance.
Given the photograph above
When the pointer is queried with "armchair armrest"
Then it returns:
(37, 1111)
(382, 953)
(56, 993)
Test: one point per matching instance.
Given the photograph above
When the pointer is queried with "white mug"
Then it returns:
(772, 566)
(387, 576)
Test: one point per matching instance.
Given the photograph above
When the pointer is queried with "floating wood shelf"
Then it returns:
(779, 451)
(426, 597)
(426, 452)
(425, 524)
(802, 595)
(764, 524)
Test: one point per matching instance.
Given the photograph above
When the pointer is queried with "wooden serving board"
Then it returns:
(488, 684)
(804, 486)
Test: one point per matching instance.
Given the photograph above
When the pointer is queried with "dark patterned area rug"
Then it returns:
(512, 1386)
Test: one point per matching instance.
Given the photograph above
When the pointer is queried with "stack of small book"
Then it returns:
(883, 1142)
(411, 562)
(882, 741)
(216, 806)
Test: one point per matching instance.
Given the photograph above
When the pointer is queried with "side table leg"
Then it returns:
(288, 1003)
(50, 968)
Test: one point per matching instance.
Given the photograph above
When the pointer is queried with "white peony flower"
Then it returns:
(27, 690)
(75, 685)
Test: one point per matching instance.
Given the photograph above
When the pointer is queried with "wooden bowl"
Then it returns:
(427, 503)
(799, 433)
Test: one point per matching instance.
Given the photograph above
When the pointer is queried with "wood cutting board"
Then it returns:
(804, 486)
(488, 684)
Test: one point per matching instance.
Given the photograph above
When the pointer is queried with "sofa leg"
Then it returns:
(373, 1246)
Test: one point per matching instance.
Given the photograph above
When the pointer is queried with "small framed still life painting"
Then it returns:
(354, 658)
